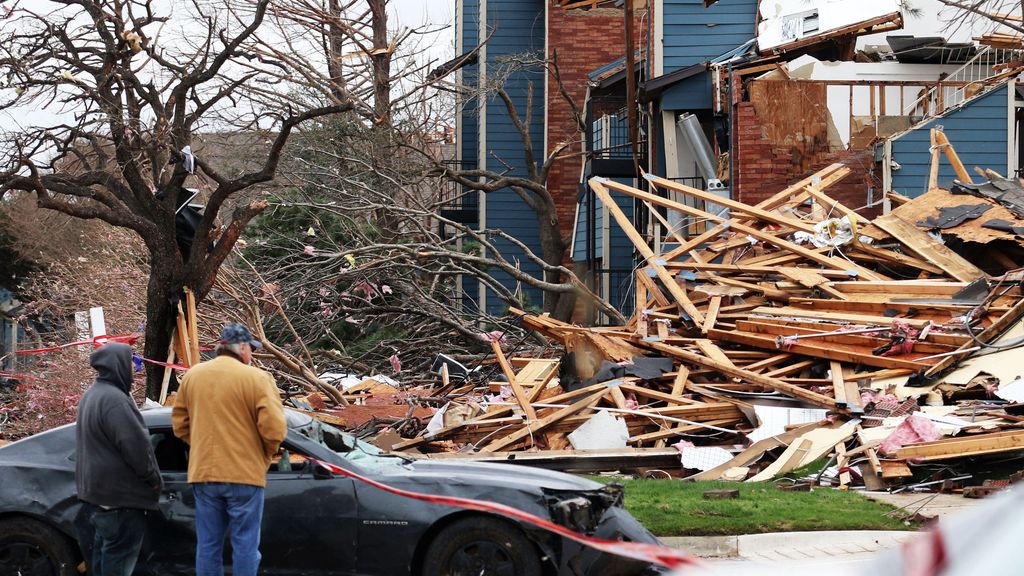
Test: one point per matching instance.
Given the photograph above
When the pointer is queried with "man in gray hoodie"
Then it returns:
(115, 468)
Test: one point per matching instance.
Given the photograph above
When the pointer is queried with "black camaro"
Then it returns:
(315, 522)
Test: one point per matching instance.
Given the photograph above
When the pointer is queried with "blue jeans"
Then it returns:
(236, 509)
(116, 539)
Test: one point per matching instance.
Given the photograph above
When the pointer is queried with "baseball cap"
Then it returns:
(235, 333)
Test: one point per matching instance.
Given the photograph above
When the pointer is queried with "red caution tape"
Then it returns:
(17, 376)
(660, 555)
(96, 343)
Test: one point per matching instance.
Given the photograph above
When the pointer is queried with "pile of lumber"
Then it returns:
(796, 308)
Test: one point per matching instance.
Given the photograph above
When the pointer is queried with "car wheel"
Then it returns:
(31, 548)
(481, 546)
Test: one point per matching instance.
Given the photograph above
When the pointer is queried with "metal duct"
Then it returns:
(702, 148)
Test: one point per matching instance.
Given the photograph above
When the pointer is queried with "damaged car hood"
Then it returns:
(498, 475)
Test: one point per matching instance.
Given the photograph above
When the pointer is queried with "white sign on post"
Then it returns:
(97, 321)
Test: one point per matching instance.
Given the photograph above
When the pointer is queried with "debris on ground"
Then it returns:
(765, 339)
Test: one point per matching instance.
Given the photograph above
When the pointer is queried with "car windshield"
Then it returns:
(347, 446)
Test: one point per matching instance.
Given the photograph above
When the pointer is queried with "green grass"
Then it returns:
(675, 508)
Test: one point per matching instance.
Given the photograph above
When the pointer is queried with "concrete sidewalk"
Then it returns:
(790, 546)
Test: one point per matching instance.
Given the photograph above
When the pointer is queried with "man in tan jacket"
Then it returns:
(231, 416)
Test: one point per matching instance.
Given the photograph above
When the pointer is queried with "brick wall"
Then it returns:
(584, 41)
(772, 151)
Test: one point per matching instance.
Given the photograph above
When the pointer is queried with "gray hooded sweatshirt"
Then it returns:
(114, 463)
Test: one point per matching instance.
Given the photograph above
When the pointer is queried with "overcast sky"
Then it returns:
(439, 46)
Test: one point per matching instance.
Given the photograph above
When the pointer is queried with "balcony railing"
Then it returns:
(458, 202)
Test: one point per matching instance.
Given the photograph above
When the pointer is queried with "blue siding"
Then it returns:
(470, 33)
(620, 263)
(978, 131)
(468, 139)
(620, 256)
(518, 27)
(579, 253)
(690, 94)
(695, 34)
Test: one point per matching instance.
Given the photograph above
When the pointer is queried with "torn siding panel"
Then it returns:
(978, 129)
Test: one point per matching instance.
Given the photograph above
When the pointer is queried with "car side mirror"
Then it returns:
(321, 473)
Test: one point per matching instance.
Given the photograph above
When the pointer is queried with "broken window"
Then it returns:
(171, 452)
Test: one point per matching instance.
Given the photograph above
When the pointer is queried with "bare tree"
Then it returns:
(128, 85)
(997, 13)
(358, 252)
(531, 187)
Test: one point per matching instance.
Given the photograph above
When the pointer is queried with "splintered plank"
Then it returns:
(810, 279)
(838, 383)
(522, 398)
(928, 248)
(711, 350)
(976, 445)
(537, 426)
(831, 351)
(678, 429)
(876, 465)
(666, 277)
(731, 370)
(679, 383)
(809, 447)
(813, 255)
(825, 177)
(756, 451)
(714, 305)
(644, 278)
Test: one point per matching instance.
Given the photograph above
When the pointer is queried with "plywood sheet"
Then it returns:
(970, 231)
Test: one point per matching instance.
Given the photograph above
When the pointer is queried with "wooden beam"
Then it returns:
(733, 371)
(679, 383)
(831, 351)
(711, 314)
(975, 445)
(539, 425)
(846, 317)
(928, 248)
(830, 262)
(653, 260)
(838, 384)
(933, 168)
(810, 279)
(193, 324)
(954, 159)
(522, 398)
(752, 269)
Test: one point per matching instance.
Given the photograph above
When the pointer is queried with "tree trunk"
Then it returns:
(381, 60)
(161, 317)
(552, 251)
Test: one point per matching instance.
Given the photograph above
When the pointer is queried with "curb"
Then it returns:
(789, 544)
(705, 546)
